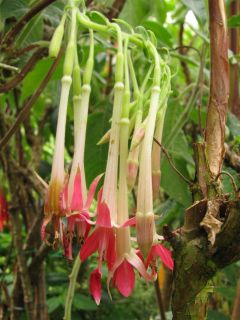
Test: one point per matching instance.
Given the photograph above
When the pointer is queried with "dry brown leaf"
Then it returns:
(210, 222)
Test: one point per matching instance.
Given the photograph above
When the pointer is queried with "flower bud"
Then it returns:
(105, 138)
(132, 170)
(69, 58)
(56, 40)
(145, 227)
(138, 136)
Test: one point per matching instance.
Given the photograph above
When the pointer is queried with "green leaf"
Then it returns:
(98, 17)
(215, 315)
(227, 292)
(171, 182)
(198, 7)
(12, 8)
(141, 30)
(180, 148)
(81, 302)
(53, 304)
(233, 124)
(96, 156)
(125, 24)
(33, 79)
(234, 21)
(161, 33)
(135, 11)
(32, 32)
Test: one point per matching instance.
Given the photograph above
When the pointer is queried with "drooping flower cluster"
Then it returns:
(138, 112)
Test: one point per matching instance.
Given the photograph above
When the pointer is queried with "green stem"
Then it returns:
(107, 29)
(71, 288)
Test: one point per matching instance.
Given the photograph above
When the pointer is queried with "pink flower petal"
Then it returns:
(96, 285)
(83, 216)
(150, 257)
(124, 278)
(103, 218)
(110, 248)
(77, 198)
(91, 244)
(165, 255)
(111, 274)
(138, 264)
(130, 222)
(92, 190)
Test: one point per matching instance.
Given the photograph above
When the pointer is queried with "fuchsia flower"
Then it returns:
(122, 273)
(4, 216)
(77, 213)
(102, 238)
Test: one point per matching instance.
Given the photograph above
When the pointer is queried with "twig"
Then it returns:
(22, 264)
(9, 67)
(171, 162)
(182, 52)
(25, 70)
(26, 108)
(231, 178)
(116, 8)
(17, 28)
(71, 288)
(187, 47)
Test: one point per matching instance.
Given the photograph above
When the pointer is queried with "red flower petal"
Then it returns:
(110, 248)
(165, 255)
(91, 191)
(4, 216)
(77, 198)
(150, 257)
(96, 285)
(124, 278)
(91, 244)
(103, 218)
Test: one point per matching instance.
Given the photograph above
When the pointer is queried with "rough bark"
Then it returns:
(234, 99)
(219, 88)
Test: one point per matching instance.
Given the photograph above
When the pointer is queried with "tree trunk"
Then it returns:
(199, 242)
(234, 102)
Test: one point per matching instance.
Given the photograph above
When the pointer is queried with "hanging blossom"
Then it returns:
(156, 150)
(53, 208)
(103, 237)
(147, 237)
(4, 215)
(76, 203)
(122, 273)
(139, 128)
